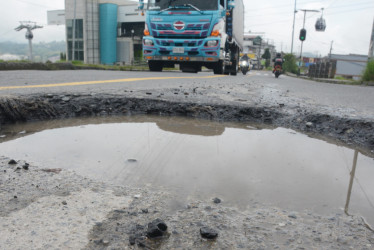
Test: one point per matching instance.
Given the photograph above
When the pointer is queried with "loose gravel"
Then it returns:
(58, 209)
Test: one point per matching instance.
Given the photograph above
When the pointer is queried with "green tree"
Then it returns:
(369, 71)
(290, 64)
(267, 57)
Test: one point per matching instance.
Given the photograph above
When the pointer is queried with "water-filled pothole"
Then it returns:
(238, 163)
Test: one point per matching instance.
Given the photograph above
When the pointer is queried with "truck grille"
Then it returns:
(196, 30)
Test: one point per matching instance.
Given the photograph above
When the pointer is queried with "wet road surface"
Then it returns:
(257, 87)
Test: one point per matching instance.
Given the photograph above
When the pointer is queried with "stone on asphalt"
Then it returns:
(208, 233)
(156, 228)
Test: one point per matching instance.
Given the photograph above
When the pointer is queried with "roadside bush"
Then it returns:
(77, 62)
(369, 72)
(290, 64)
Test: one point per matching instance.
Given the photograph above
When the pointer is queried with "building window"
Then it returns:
(79, 48)
(125, 29)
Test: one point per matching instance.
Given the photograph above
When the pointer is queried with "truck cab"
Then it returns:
(191, 33)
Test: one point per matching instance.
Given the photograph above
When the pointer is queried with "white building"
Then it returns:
(106, 31)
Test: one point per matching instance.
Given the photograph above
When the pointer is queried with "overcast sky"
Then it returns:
(349, 23)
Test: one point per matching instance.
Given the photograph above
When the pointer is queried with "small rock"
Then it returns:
(52, 170)
(26, 166)
(156, 228)
(137, 196)
(15, 197)
(133, 213)
(64, 203)
(65, 99)
(309, 124)
(132, 160)
(22, 132)
(342, 241)
(141, 243)
(148, 93)
(132, 240)
(12, 162)
(192, 205)
(208, 233)
(292, 216)
(2, 136)
(217, 200)
(145, 211)
(97, 242)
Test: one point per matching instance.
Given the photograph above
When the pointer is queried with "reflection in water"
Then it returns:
(201, 160)
(351, 180)
(352, 174)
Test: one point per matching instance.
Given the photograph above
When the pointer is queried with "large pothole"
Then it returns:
(238, 162)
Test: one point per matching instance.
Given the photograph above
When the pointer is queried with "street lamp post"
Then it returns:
(293, 27)
(302, 41)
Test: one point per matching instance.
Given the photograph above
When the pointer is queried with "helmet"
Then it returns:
(279, 55)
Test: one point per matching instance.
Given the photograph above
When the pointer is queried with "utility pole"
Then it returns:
(29, 26)
(293, 27)
(330, 51)
(302, 42)
(371, 48)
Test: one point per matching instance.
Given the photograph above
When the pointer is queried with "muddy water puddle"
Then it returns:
(239, 163)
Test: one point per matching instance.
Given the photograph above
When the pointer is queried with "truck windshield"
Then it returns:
(199, 4)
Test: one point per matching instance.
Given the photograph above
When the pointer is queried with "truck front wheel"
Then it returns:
(218, 68)
(155, 66)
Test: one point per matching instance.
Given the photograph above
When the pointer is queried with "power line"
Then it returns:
(35, 4)
(7, 32)
(327, 8)
(349, 11)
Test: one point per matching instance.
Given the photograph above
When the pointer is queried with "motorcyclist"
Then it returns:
(244, 58)
(244, 64)
(278, 60)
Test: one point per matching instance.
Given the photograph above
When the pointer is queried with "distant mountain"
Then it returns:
(41, 51)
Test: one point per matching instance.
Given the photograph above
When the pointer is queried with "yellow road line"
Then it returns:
(100, 82)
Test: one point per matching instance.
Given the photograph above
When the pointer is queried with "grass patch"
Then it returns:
(340, 78)
(369, 72)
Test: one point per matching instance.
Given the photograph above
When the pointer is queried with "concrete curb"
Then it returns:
(332, 81)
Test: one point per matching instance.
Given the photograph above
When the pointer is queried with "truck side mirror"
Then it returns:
(141, 4)
(230, 4)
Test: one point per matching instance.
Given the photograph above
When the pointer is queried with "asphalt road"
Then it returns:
(311, 107)
(256, 88)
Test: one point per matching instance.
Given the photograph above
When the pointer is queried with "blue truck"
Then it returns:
(193, 34)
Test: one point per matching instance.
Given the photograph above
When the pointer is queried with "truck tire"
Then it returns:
(234, 67)
(218, 69)
(155, 66)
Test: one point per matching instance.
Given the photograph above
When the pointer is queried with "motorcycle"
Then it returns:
(277, 71)
(244, 67)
